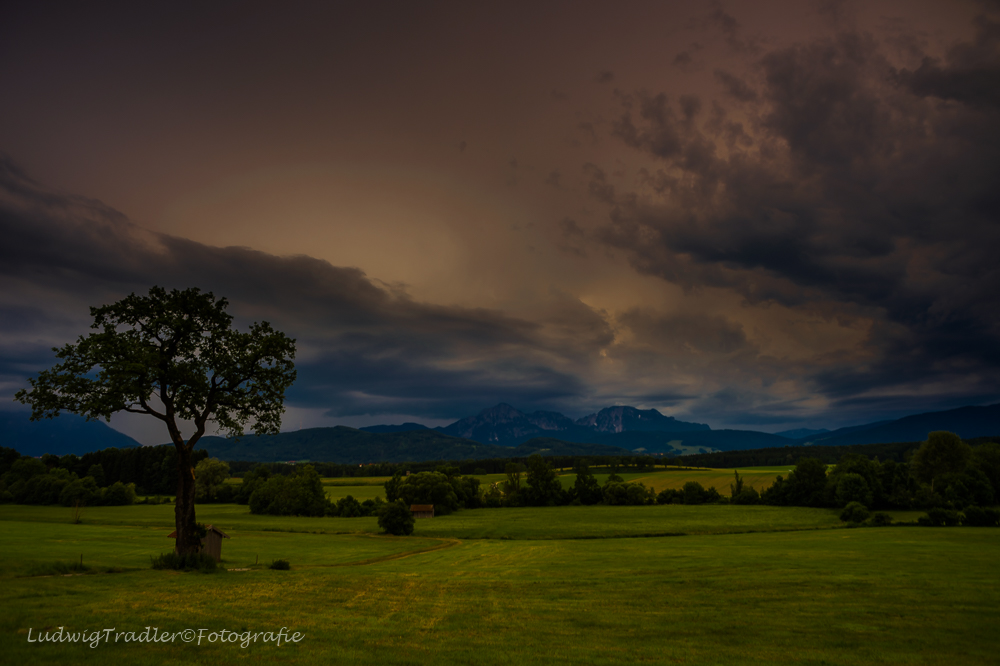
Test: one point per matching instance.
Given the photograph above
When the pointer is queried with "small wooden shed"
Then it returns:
(422, 510)
(212, 542)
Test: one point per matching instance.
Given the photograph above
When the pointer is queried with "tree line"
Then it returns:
(943, 475)
(943, 472)
(153, 469)
(26, 480)
(479, 467)
(790, 455)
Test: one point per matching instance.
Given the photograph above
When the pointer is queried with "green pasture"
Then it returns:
(673, 477)
(131, 547)
(561, 522)
(362, 488)
(230, 518)
(356, 481)
(729, 592)
(360, 493)
(564, 522)
(758, 478)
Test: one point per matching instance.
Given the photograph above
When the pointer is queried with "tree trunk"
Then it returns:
(188, 540)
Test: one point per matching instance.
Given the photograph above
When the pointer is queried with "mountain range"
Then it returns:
(350, 446)
(505, 426)
(67, 433)
(499, 432)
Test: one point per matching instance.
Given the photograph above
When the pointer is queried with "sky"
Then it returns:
(762, 215)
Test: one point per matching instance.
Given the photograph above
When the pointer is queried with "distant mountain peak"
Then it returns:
(550, 420)
(503, 424)
(500, 413)
(623, 418)
(493, 425)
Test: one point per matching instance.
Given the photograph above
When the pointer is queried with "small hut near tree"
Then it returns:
(211, 543)
(422, 510)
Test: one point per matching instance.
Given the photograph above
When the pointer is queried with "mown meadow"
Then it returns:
(709, 584)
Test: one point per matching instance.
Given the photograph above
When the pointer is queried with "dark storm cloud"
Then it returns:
(683, 58)
(970, 74)
(369, 384)
(731, 31)
(735, 86)
(697, 332)
(365, 347)
(844, 187)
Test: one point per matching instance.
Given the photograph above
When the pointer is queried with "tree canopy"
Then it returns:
(944, 453)
(176, 357)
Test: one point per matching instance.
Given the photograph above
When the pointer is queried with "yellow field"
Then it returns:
(759, 478)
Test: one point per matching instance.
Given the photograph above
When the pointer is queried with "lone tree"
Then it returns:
(180, 348)
(943, 453)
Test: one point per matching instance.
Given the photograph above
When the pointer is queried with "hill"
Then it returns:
(790, 455)
(966, 422)
(679, 443)
(350, 446)
(67, 433)
(403, 427)
(630, 419)
(507, 426)
(802, 433)
(499, 432)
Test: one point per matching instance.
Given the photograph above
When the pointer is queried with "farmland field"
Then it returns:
(362, 488)
(756, 585)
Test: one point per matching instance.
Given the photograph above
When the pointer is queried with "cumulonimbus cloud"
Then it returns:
(364, 347)
(832, 180)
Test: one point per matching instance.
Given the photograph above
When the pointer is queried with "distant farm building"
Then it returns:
(211, 544)
(422, 510)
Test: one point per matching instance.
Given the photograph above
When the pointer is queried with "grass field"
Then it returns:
(756, 477)
(564, 522)
(363, 488)
(749, 585)
(360, 493)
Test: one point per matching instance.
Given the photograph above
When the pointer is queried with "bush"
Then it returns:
(854, 512)
(119, 494)
(189, 562)
(938, 517)
(347, 507)
(638, 494)
(299, 494)
(209, 475)
(396, 519)
(615, 494)
(670, 496)
(84, 492)
(853, 488)
(746, 496)
(280, 565)
(225, 494)
(586, 490)
(978, 517)
(694, 493)
(372, 507)
(880, 519)
(429, 488)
